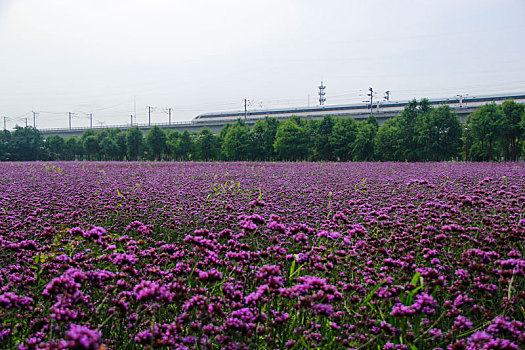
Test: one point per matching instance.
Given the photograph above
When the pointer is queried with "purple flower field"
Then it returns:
(262, 255)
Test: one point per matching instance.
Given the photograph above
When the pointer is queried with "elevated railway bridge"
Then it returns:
(215, 126)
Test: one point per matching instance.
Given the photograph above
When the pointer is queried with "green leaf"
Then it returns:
(415, 291)
(415, 279)
(292, 269)
(371, 294)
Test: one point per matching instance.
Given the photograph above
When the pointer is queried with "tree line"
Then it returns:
(419, 133)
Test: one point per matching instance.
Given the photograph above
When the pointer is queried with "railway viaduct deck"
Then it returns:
(216, 125)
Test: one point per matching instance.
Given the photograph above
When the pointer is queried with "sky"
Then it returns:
(114, 58)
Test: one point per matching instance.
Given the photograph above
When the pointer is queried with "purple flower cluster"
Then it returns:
(261, 255)
(13, 301)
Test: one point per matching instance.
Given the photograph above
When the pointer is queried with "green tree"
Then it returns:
(343, 137)
(109, 148)
(26, 144)
(54, 145)
(388, 142)
(135, 143)
(82, 141)
(207, 145)
(438, 134)
(220, 137)
(72, 148)
(112, 144)
(523, 135)
(291, 141)
(513, 133)
(372, 120)
(156, 142)
(86, 134)
(263, 137)
(237, 144)
(397, 139)
(363, 147)
(323, 149)
(120, 139)
(408, 118)
(172, 143)
(185, 146)
(92, 147)
(102, 134)
(424, 106)
(467, 139)
(487, 125)
(311, 130)
(5, 140)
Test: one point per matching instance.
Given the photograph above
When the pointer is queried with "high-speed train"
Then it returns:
(349, 109)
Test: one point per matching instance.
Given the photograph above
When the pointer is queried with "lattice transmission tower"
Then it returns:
(322, 94)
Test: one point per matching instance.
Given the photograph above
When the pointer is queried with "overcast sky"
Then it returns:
(105, 56)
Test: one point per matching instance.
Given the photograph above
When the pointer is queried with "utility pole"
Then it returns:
(5, 120)
(245, 110)
(131, 120)
(26, 122)
(149, 115)
(169, 114)
(91, 120)
(371, 94)
(69, 120)
(461, 99)
(34, 119)
(322, 94)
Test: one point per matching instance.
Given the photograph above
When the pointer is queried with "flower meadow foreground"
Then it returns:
(262, 255)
